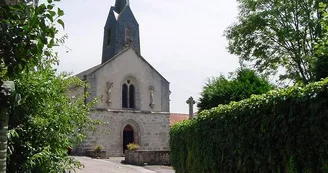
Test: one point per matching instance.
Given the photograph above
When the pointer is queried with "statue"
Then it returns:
(152, 104)
(109, 91)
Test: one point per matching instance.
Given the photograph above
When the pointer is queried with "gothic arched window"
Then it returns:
(128, 95)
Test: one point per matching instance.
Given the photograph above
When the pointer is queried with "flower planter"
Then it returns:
(96, 154)
(143, 157)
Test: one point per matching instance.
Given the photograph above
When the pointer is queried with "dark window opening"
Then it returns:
(128, 95)
(109, 36)
(125, 96)
(131, 96)
(127, 35)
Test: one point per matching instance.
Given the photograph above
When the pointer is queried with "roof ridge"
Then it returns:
(179, 113)
(121, 52)
(103, 64)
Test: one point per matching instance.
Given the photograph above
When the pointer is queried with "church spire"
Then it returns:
(121, 30)
(120, 5)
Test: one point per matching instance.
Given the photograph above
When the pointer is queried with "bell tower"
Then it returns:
(120, 4)
(121, 30)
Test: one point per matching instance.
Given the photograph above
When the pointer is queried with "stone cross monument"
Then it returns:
(191, 103)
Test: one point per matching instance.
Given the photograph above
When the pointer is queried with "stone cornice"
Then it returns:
(127, 111)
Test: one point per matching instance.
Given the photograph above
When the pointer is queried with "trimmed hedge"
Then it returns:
(283, 131)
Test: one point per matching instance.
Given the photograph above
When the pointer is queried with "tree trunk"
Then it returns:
(5, 91)
(3, 139)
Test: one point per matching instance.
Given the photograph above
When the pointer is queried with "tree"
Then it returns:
(44, 123)
(241, 85)
(25, 30)
(321, 45)
(278, 34)
(16, 34)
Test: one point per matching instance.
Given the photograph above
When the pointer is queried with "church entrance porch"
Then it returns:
(128, 137)
(130, 133)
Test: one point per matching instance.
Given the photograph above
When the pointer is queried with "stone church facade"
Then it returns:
(134, 97)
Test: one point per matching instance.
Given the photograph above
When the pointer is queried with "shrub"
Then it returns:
(281, 131)
(98, 148)
(133, 146)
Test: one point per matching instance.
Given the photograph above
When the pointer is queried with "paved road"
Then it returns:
(113, 165)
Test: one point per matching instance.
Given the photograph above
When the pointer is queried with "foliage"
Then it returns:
(278, 33)
(98, 148)
(242, 85)
(45, 122)
(25, 31)
(281, 131)
(321, 47)
(133, 146)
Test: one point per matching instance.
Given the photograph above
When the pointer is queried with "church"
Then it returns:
(134, 101)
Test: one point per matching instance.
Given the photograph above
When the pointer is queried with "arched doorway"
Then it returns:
(128, 136)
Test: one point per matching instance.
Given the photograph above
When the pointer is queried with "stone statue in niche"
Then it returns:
(109, 91)
(151, 92)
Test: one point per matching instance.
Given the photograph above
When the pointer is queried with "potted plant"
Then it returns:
(98, 148)
(98, 152)
(130, 153)
(133, 147)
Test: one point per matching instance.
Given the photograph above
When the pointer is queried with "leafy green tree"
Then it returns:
(25, 31)
(278, 34)
(321, 45)
(44, 122)
(241, 85)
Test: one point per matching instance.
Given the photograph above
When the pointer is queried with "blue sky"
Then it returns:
(182, 39)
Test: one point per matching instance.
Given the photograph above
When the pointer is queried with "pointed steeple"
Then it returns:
(120, 5)
(121, 30)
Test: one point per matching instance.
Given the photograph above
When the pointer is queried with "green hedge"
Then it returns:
(284, 131)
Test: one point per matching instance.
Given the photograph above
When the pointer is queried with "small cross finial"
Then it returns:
(191, 103)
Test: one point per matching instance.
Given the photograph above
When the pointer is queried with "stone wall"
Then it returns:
(151, 131)
(96, 154)
(147, 157)
(165, 95)
(134, 67)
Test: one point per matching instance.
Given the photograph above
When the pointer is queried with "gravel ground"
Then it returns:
(113, 165)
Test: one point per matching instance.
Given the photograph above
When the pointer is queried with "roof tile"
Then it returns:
(176, 117)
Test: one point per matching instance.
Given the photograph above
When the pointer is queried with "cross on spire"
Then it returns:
(120, 5)
(191, 103)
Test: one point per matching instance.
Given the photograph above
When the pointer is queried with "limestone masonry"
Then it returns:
(134, 97)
